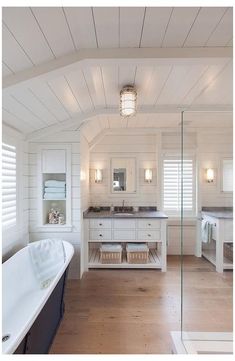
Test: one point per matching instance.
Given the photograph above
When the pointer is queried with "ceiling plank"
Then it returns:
(12, 53)
(99, 57)
(131, 22)
(95, 84)
(110, 79)
(82, 26)
(56, 32)
(26, 97)
(64, 93)
(107, 31)
(24, 27)
(79, 87)
(156, 20)
(208, 18)
(223, 32)
(179, 25)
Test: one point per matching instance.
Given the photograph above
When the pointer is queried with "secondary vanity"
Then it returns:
(124, 226)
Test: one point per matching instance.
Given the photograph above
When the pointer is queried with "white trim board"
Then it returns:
(202, 342)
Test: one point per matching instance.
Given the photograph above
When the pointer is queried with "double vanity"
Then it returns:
(122, 226)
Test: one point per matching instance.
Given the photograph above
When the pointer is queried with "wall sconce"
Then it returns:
(210, 175)
(148, 175)
(98, 176)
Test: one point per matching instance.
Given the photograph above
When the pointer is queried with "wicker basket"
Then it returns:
(110, 256)
(228, 251)
(137, 256)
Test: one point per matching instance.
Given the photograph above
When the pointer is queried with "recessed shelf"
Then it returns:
(94, 261)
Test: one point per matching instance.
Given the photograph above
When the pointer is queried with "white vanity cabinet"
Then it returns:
(222, 232)
(114, 230)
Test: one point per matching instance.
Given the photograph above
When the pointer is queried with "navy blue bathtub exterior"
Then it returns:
(39, 338)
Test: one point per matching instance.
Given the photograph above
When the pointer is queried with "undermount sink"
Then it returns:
(123, 214)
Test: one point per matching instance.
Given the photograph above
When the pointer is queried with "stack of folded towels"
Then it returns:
(55, 189)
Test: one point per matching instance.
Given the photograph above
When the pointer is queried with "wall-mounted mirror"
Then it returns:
(123, 175)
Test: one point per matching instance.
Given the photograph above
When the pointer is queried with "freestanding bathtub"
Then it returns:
(30, 315)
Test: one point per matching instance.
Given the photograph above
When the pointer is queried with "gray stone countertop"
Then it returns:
(139, 214)
(219, 214)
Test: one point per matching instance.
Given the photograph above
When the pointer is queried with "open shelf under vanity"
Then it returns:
(154, 260)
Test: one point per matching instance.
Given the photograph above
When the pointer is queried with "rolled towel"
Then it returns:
(54, 195)
(48, 257)
(54, 189)
(55, 183)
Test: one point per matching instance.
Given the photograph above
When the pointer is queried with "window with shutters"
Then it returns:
(9, 186)
(173, 170)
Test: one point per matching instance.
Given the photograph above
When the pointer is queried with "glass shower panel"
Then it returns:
(206, 232)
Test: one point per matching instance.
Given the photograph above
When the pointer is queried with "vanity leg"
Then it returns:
(163, 246)
(220, 247)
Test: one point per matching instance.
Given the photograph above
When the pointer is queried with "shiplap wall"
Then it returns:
(74, 237)
(15, 239)
(213, 147)
(144, 148)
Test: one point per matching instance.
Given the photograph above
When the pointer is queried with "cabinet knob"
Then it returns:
(149, 235)
(101, 235)
(100, 224)
(149, 224)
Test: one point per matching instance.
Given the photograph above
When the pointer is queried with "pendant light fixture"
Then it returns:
(128, 98)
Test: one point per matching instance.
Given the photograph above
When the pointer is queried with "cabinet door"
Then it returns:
(53, 161)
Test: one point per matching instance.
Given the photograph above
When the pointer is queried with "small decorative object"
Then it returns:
(148, 175)
(61, 218)
(98, 176)
(210, 175)
(53, 216)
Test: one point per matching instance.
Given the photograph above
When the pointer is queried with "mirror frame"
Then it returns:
(111, 176)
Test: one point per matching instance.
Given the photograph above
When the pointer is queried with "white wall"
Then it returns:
(212, 147)
(75, 235)
(144, 148)
(15, 239)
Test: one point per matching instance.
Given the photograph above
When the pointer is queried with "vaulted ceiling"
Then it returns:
(62, 66)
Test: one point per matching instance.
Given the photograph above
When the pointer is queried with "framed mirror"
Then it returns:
(123, 175)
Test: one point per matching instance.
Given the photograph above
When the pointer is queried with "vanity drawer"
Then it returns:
(124, 235)
(100, 223)
(124, 224)
(149, 234)
(148, 223)
(100, 234)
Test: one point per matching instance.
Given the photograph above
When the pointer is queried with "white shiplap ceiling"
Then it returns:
(35, 39)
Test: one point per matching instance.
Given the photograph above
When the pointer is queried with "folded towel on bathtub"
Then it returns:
(48, 257)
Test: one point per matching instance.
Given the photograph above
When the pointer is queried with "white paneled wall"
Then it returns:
(74, 236)
(213, 147)
(144, 148)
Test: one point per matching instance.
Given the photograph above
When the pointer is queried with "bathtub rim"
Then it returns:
(11, 345)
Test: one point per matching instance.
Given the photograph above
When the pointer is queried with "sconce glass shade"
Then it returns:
(128, 98)
(98, 176)
(148, 175)
(210, 175)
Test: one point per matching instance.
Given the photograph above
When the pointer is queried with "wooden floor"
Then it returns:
(133, 311)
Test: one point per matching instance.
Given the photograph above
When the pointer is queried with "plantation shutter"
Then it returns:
(8, 185)
(172, 170)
